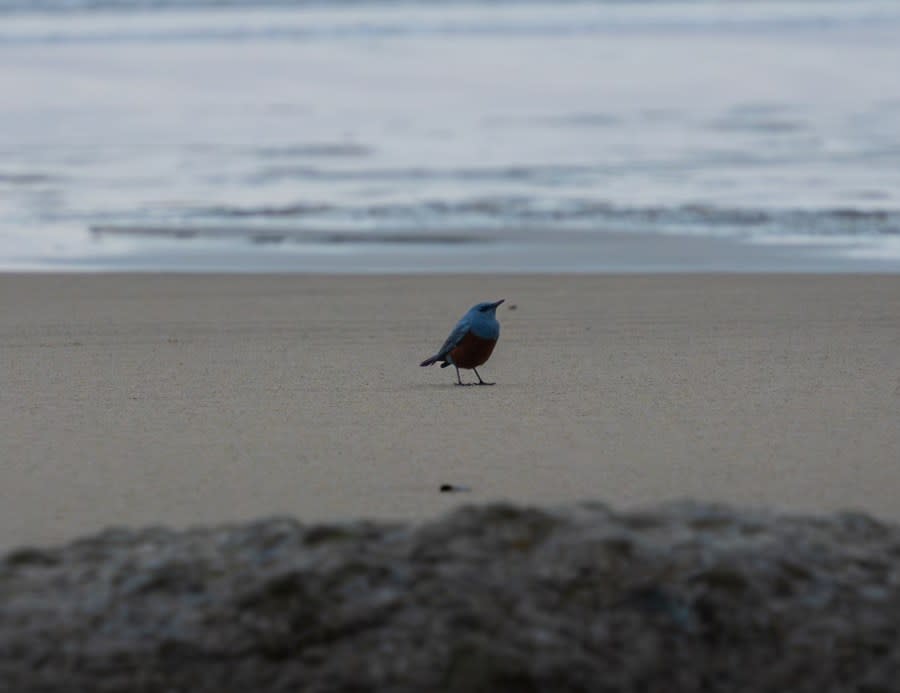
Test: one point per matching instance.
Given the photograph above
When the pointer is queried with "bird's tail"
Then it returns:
(430, 360)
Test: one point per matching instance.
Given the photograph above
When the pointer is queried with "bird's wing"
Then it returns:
(455, 338)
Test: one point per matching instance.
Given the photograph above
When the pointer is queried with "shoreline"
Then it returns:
(190, 400)
(465, 251)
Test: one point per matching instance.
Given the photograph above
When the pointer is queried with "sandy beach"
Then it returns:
(188, 399)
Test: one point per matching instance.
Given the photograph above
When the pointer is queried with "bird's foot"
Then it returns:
(484, 383)
(465, 384)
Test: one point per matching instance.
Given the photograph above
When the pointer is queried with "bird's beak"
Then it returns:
(494, 305)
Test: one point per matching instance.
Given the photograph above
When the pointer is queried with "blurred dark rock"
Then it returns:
(681, 598)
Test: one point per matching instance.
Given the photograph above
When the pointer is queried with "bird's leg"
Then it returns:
(480, 381)
(458, 379)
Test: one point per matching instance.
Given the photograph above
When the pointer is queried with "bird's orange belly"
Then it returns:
(472, 351)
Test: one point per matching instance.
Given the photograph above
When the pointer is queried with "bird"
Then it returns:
(471, 342)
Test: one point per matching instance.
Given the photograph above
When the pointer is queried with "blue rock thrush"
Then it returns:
(471, 342)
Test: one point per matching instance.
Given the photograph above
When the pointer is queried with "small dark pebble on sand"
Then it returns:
(450, 488)
(512, 306)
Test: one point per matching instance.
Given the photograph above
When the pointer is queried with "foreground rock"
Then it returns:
(684, 598)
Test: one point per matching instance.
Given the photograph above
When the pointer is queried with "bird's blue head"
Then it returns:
(482, 319)
(486, 308)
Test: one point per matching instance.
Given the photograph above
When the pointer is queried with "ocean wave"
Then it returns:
(541, 174)
(315, 151)
(150, 5)
(26, 179)
(471, 220)
(266, 236)
(262, 212)
(165, 21)
(72, 6)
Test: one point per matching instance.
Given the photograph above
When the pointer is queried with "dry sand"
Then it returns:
(199, 399)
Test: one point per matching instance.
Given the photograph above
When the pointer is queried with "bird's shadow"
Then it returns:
(500, 386)
(450, 386)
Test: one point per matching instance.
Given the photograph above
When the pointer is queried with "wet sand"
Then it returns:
(182, 400)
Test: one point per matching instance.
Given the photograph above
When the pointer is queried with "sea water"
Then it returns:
(428, 136)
